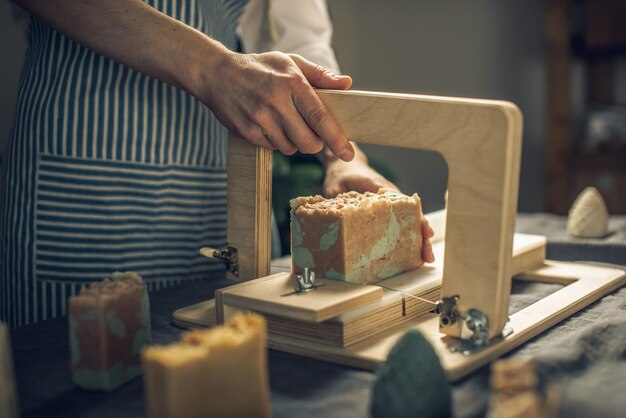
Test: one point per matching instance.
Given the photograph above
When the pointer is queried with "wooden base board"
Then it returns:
(586, 285)
(275, 296)
(357, 324)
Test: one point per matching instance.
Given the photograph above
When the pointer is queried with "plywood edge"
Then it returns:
(593, 283)
(249, 207)
(328, 307)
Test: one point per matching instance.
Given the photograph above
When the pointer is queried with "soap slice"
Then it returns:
(8, 394)
(109, 325)
(221, 372)
(359, 238)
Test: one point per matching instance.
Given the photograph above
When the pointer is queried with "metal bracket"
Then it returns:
(474, 326)
(228, 256)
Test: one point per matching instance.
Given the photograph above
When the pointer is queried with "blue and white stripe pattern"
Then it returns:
(108, 169)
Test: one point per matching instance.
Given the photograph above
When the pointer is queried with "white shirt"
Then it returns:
(296, 26)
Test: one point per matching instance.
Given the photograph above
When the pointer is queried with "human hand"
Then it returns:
(268, 100)
(358, 176)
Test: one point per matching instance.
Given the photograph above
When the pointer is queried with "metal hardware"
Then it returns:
(228, 255)
(474, 326)
(305, 282)
(447, 310)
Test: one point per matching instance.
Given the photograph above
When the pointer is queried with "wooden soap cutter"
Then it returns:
(480, 141)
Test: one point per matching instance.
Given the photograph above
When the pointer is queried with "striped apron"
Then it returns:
(108, 170)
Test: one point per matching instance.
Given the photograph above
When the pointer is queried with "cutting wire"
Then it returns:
(405, 293)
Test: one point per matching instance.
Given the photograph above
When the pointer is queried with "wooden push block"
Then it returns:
(109, 325)
(275, 295)
(359, 238)
(221, 372)
(8, 395)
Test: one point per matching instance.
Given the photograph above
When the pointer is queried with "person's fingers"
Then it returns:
(427, 231)
(321, 77)
(277, 137)
(322, 123)
(313, 110)
(257, 137)
(271, 129)
(299, 131)
(427, 251)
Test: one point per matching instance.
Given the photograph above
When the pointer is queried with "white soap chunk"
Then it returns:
(588, 217)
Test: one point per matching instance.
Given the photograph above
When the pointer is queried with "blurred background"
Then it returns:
(563, 62)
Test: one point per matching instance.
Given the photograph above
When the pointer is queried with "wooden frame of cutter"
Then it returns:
(480, 140)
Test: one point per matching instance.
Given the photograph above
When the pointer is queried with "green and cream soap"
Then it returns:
(357, 237)
(109, 325)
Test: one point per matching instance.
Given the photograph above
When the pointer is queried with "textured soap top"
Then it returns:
(346, 202)
(119, 284)
(239, 330)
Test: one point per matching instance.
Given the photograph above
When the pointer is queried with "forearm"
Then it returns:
(134, 34)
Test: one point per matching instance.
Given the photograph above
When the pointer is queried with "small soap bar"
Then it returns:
(514, 375)
(109, 325)
(359, 238)
(220, 372)
(8, 394)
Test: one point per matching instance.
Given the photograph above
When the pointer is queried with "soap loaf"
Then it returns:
(221, 372)
(8, 395)
(109, 325)
(359, 238)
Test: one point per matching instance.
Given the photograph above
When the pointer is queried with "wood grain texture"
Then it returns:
(368, 320)
(249, 207)
(393, 308)
(590, 284)
(480, 141)
(276, 296)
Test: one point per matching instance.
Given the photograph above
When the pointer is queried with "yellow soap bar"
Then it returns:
(220, 372)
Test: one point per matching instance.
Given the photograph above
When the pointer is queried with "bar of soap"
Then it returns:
(220, 372)
(109, 325)
(8, 394)
(359, 238)
(514, 375)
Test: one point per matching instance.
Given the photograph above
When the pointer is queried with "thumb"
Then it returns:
(321, 77)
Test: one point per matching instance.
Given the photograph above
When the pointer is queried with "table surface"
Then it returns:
(584, 354)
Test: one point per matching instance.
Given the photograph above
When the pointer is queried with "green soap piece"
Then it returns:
(141, 340)
(98, 380)
(296, 229)
(334, 275)
(388, 241)
(302, 257)
(411, 382)
(329, 238)
(116, 326)
(111, 379)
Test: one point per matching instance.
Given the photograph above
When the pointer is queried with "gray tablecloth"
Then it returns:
(584, 354)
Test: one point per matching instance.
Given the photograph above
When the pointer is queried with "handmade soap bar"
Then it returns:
(360, 238)
(221, 372)
(8, 396)
(109, 326)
